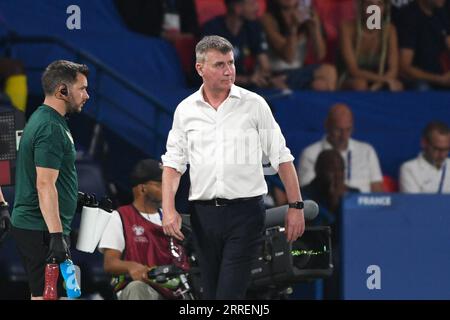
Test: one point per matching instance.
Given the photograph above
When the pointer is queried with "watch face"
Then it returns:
(297, 205)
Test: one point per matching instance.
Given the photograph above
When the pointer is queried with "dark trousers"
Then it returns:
(226, 241)
(33, 250)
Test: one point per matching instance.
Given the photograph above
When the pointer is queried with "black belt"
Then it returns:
(220, 202)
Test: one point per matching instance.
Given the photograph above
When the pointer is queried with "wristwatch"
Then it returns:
(297, 205)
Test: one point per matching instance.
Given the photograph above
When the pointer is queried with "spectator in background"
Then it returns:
(396, 8)
(291, 29)
(370, 57)
(134, 240)
(240, 26)
(169, 19)
(328, 186)
(424, 35)
(13, 82)
(361, 162)
(327, 189)
(429, 172)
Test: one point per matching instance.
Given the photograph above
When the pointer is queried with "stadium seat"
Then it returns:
(186, 49)
(208, 9)
(390, 184)
(12, 273)
(90, 178)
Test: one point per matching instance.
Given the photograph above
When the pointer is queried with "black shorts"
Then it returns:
(33, 249)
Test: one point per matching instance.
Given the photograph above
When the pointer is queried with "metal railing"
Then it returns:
(101, 71)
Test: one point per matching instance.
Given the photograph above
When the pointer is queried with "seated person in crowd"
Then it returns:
(396, 8)
(327, 189)
(134, 241)
(291, 29)
(424, 35)
(240, 26)
(328, 186)
(362, 168)
(5, 219)
(169, 19)
(429, 172)
(370, 57)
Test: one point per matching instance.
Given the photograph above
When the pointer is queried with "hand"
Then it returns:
(394, 84)
(137, 271)
(313, 21)
(294, 224)
(5, 222)
(376, 86)
(58, 250)
(171, 224)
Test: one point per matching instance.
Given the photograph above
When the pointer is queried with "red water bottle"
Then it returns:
(51, 281)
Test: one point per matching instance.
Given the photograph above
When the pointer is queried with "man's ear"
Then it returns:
(61, 92)
(199, 68)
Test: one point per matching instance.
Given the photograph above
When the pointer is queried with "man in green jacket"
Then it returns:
(46, 179)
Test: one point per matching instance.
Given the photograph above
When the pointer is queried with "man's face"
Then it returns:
(436, 148)
(250, 9)
(77, 94)
(334, 173)
(339, 131)
(152, 192)
(217, 70)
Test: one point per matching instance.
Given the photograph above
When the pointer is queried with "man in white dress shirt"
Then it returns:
(221, 131)
(428, 173)
(362, 168)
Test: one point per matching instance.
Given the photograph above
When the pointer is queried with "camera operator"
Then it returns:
(134, 241)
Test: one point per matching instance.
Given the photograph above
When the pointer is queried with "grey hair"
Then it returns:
(211, 43)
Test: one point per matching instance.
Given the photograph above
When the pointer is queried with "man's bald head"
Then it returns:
(339, 126)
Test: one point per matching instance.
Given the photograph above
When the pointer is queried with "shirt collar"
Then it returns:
(326, 145)
(234, 92)
(424, 163)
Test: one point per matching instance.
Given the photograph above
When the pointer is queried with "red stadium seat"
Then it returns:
(186, 49)
(390, 184)
(208, 9)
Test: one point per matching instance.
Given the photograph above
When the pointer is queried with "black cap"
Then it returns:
(146, 170)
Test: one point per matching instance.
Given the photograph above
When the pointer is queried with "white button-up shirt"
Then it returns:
(420, 176)
(361, 164)
(224, 147)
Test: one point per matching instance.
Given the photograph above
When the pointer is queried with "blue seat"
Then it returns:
(12, 273)
(90, 178)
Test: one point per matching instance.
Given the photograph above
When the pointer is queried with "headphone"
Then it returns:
(63, 90)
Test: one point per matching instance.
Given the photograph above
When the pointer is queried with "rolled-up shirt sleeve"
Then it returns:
(176, 147)
(271, 138)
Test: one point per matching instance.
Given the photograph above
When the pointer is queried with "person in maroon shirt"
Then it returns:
(134, 242)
